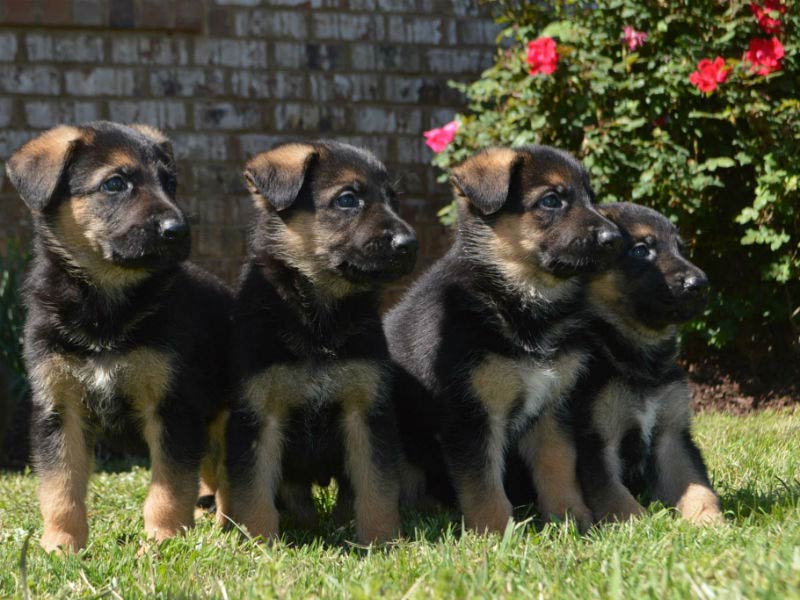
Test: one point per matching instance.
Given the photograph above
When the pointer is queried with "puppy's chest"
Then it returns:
(350, 384)
(521, 388)
(621, 408)
(108, 385)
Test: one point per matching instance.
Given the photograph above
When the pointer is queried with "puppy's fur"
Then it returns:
(309, 351)
(491, 335)
(120, 330)
(627, 423)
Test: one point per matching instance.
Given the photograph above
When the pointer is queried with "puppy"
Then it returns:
(309, 351)
(491, 335)
(627, 423)
(120, 330)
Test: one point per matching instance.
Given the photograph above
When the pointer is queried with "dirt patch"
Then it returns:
(719, 384)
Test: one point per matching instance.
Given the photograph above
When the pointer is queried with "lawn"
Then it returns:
(754, 461)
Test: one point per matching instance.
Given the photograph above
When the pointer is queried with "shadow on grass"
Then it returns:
(750, 501)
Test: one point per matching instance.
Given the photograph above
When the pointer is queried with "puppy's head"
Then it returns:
(330, 211)
(531, 211)
(103, 196)
(652, 282)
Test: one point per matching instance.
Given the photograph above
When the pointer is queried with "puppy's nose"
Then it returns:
(404, 243)
(695, 284)
(173, 229)
(609, 238)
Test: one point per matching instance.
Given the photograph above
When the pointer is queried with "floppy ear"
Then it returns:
(36, 169)
(159, 139)
(484, 179)
(277, 175)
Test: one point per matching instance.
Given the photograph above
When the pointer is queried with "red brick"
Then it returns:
(19, 12)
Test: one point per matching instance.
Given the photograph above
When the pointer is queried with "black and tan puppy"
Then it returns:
(491, 335)
(119, 329)
(308, 346)
(627, 422)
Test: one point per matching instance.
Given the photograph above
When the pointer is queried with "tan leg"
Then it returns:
(62, 490)
(481, 493)
(377, 494)
(551, 457)
(169, 506)
(250, 503)
(214, 460)
(681, 479)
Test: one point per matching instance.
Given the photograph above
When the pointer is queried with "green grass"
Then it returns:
(754, 461)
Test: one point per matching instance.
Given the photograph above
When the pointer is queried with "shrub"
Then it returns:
(689, 107)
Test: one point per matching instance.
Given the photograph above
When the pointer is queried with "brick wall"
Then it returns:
(228, 78)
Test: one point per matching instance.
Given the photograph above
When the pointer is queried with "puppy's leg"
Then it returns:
(682, 478)
(600, 474)
(64, 459)
(370, 439)
(213, 461)
(549, 453)
(175, 440)
(474, 446)
(253, 454)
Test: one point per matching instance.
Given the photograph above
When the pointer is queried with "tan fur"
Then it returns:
(486, 507)
(214, 460)
(487, 164)
(62, 490)
(154, 134)
(276, 389)
(680, 485)
(253, 507)
(377, 497)
(497, 383)
(119, 158)
(290, 158)
(551, 458)
(79, 237)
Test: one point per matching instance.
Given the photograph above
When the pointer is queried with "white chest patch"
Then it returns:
(545, 385)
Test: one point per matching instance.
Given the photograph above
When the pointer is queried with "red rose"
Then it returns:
(709, 74)
(438, 139)
(764, 55)
(763, 14)
(542, 56)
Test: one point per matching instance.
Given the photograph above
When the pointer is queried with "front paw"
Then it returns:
(700, 505)
(54, 540)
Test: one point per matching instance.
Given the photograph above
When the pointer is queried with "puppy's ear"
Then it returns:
(276, 176)
(485, 178)
(36, 169)
(163, 143)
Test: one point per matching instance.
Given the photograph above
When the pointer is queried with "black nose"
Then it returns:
(609, 239)
(695, 284)
(173, 229)
(404, 243)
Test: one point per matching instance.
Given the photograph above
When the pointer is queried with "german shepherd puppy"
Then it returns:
(627, 422)
(308, 348)
(491, 334)
(119, 329)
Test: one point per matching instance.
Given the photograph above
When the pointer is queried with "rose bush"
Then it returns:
(683, 106)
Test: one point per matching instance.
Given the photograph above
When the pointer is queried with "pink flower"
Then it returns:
(633, 38)
(709, 74)
(542, 56)
(764, 55)
(438, 139)
(763, 14)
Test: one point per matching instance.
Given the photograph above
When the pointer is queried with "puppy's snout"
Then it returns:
(405, 243)
(695, 283)
(173, 229)
(609, 239)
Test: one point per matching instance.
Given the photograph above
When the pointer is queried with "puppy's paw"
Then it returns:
(54, 540)
(700, 505)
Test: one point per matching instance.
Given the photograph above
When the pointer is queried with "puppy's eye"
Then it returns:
(114, 185)
(347, 200)
(640, 251)
(550, 201)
